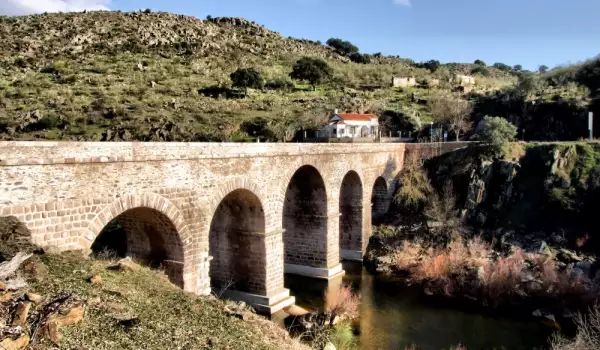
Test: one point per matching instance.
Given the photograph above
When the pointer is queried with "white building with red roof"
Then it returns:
(353, 125)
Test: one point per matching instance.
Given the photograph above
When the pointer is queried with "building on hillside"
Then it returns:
(463, 79)
(433, 82)
(403, 81)
(353, 125)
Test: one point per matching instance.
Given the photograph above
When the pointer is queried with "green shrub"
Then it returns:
(342, 337)
(280, 84)
(495, 131)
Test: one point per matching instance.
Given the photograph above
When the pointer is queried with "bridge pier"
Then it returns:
(321, 255)
(351, 255)
(263, 304)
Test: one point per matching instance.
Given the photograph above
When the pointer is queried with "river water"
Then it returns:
(395, 317)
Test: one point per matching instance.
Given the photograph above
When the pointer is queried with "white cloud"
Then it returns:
(26, 7)
(403, 2)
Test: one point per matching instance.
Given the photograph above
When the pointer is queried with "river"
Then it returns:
(393, 316)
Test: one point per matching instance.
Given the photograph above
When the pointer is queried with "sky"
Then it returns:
(526, 32)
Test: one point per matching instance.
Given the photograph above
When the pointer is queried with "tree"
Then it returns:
(518, 68)
(589, 75)
(246, 78)
(482, 70)
(528, 84)
(480, 63)
(360, 58)
(495, 131)
(343, 47)
(452, 110)
(313, 70)
(542, 69)
(432, 65)
(502, 66)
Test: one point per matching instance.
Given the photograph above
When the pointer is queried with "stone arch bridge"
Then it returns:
(230, 216)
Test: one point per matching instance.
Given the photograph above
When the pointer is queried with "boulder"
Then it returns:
(544, 248)
(584, 266)
(329, 346)
(2, 286)
(568, 256)
(126, 264)
(55, 322)
(5, 297)
(295, 310)
(96, 280)
(575, 272)
(527, 276)
(34, 298)
(240, 310)
(18, 344)
(21, 313)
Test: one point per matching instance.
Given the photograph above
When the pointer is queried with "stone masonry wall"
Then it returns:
(66, 192)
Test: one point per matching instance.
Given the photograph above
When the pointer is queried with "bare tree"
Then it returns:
(453, 110)
(443, 215)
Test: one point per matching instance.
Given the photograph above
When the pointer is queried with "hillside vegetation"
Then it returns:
(163, 77)
(159, 76)
(132, 308)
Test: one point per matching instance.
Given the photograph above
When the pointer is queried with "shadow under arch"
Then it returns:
(305, 219)
(379, 200)
(351, 220)
(237, 244)
(147, 235)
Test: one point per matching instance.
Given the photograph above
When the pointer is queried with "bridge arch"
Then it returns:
(237, 244)
(305, 219)
(147, 227)
(351, 219)
(379, 199)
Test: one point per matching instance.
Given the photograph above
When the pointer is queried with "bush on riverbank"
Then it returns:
(588, 333)
(341, 301)
(547, 277)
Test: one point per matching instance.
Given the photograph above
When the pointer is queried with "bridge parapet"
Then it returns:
(64, 152)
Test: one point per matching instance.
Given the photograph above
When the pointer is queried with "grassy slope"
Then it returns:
(169, 318)
(80, 71)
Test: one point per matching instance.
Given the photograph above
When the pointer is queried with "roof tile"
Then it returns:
(357, 117)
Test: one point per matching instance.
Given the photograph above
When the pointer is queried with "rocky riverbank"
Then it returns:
(507, 231)
(530, 276)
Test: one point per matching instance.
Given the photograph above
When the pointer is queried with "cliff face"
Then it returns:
(551, 187)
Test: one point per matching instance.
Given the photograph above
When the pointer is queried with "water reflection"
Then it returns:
(393, 317)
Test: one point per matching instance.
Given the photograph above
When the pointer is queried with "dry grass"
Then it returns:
(451, 270)
(435, 267)
(408, 256)
(502, 277)
(546, 268)
(342, 301)
(443, 263)
(168, 317)
(559, 283)
(478, 251)
(588, 333)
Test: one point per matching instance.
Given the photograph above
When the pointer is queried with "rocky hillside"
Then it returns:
(40, 39)
(550, 188)
(157, 76)
(70, 302)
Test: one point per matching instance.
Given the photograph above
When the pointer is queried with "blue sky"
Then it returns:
(527, 32)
